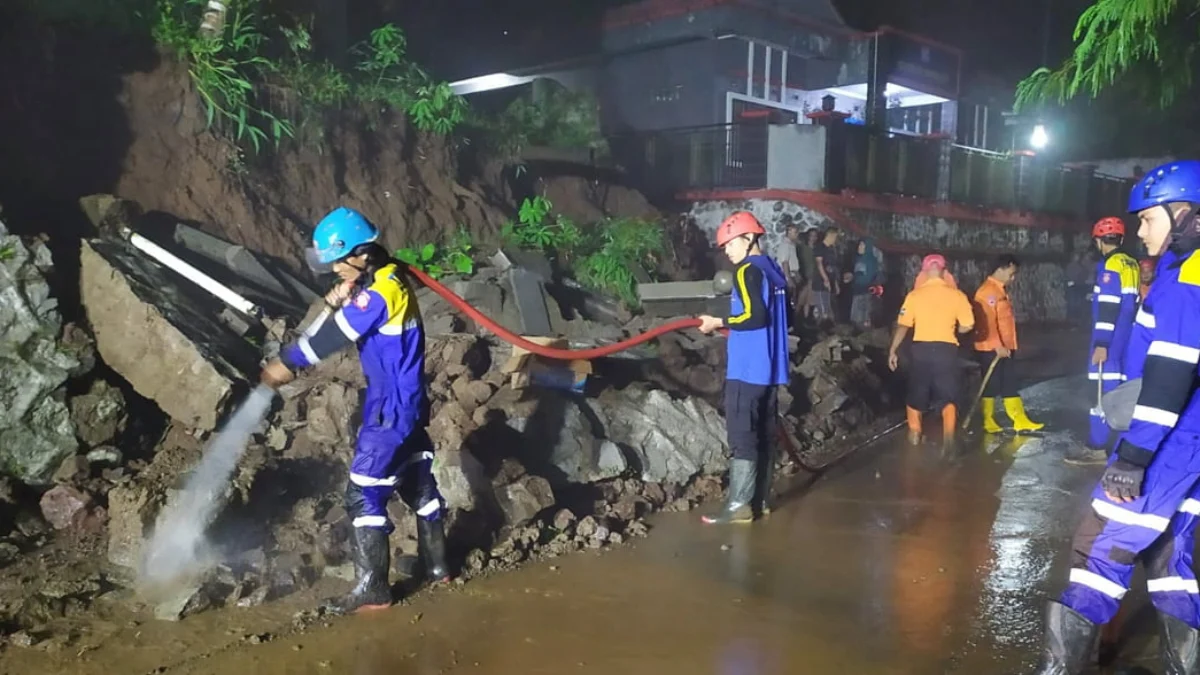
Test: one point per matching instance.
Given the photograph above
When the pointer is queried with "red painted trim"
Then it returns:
(893, 204)
(830, 114)
(822, 204)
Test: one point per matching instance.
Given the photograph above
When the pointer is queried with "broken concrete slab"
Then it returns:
(36, 431)
(160, 337)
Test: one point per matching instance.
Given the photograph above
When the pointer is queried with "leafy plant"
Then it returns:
(548, 115)
(7, 252)
(223, 67)
(437, 261)
(397, 82)
(1116, 37)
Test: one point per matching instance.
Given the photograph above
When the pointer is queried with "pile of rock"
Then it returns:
(525, 471)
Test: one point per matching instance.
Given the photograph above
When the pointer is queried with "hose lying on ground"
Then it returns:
(541, 350)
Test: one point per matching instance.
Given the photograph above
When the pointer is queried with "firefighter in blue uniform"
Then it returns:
(1114, 304)
(757, 365)
(375, 309)
(1146, 504)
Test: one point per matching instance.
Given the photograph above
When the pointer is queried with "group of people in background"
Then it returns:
(820, 277)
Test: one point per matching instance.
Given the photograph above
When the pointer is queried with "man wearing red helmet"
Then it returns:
(1114, 306)
(757, 365)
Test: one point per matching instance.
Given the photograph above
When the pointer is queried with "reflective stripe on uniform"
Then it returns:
(1117, 514)
(1094, 581)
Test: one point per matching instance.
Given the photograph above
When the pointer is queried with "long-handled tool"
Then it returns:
(1098, 409)
(979, 396)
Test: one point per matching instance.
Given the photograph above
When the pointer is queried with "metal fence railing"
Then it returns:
(889, 163)
(734, 156)
(726, 156)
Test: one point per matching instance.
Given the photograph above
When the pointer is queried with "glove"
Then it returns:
(1123, 480)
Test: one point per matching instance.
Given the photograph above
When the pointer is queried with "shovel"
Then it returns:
(979, 396)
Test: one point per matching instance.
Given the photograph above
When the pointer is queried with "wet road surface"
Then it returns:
(901, 560)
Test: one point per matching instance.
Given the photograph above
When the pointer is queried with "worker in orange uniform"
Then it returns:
(996, 336)
(936, 313)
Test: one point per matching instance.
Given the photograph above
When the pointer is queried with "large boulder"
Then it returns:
(36, 432)
(158, 332)
(673, 439)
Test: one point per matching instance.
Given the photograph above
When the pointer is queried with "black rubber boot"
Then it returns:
(764, 483)
(431, 540)
(738, 507)
(1180, 646)
(371, 563)
(1070, 641)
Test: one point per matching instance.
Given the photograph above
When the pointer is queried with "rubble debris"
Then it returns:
(64, 507)
(125, 293)
(99, 414)
(36, 432)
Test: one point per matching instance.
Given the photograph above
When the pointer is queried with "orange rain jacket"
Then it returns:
(995, 325)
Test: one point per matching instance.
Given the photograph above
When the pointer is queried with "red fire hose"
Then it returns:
(540, 350)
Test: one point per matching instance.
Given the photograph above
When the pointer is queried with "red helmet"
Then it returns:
(1109, 227)
(736, 225)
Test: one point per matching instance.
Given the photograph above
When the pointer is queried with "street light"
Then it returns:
(1039, 138)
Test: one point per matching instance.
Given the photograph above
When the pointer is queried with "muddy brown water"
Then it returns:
(902, 560)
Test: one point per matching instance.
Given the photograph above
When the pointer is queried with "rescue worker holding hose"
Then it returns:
(936, 313)
(1114, 304)
(996, 341)
(375, 309)
(1148, 499)
(757, 365)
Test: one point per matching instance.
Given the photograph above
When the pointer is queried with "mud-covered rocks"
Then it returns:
(159, 335)
(36, 432)
(131, 510)
(460, 478)
(523, 498)
(99, 414)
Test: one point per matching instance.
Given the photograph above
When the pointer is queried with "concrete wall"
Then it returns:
(969, 246)
(797, 157)
(664, 88)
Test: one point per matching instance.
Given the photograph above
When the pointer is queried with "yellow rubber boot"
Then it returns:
(989, 416)
(1016, 412)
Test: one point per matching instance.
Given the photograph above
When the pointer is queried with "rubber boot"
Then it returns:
(913, 417)
(949, 424)
(738, 508)
(371, 562)
(764, 482)
(1016, 412)
(1070, 639)
(431, 544)
(988, 408)
(1180, 646)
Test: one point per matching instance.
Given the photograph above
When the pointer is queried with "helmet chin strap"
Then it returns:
(1185, 230)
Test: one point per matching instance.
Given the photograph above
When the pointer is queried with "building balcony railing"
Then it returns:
(839, 157)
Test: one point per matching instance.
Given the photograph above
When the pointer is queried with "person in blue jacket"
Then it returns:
(375, 309)
(1115, 301)
(757, 365)
(1146, 504)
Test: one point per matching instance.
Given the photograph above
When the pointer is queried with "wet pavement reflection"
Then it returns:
(902, 560)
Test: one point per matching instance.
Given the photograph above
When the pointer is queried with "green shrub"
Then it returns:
(601, 257)
(453, 257)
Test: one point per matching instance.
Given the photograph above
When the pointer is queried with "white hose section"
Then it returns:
(194, 275)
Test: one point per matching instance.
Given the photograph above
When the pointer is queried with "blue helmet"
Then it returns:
(338, 234)
(1171, 182)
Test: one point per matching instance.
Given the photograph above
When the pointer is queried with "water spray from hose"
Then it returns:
(179, 549)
